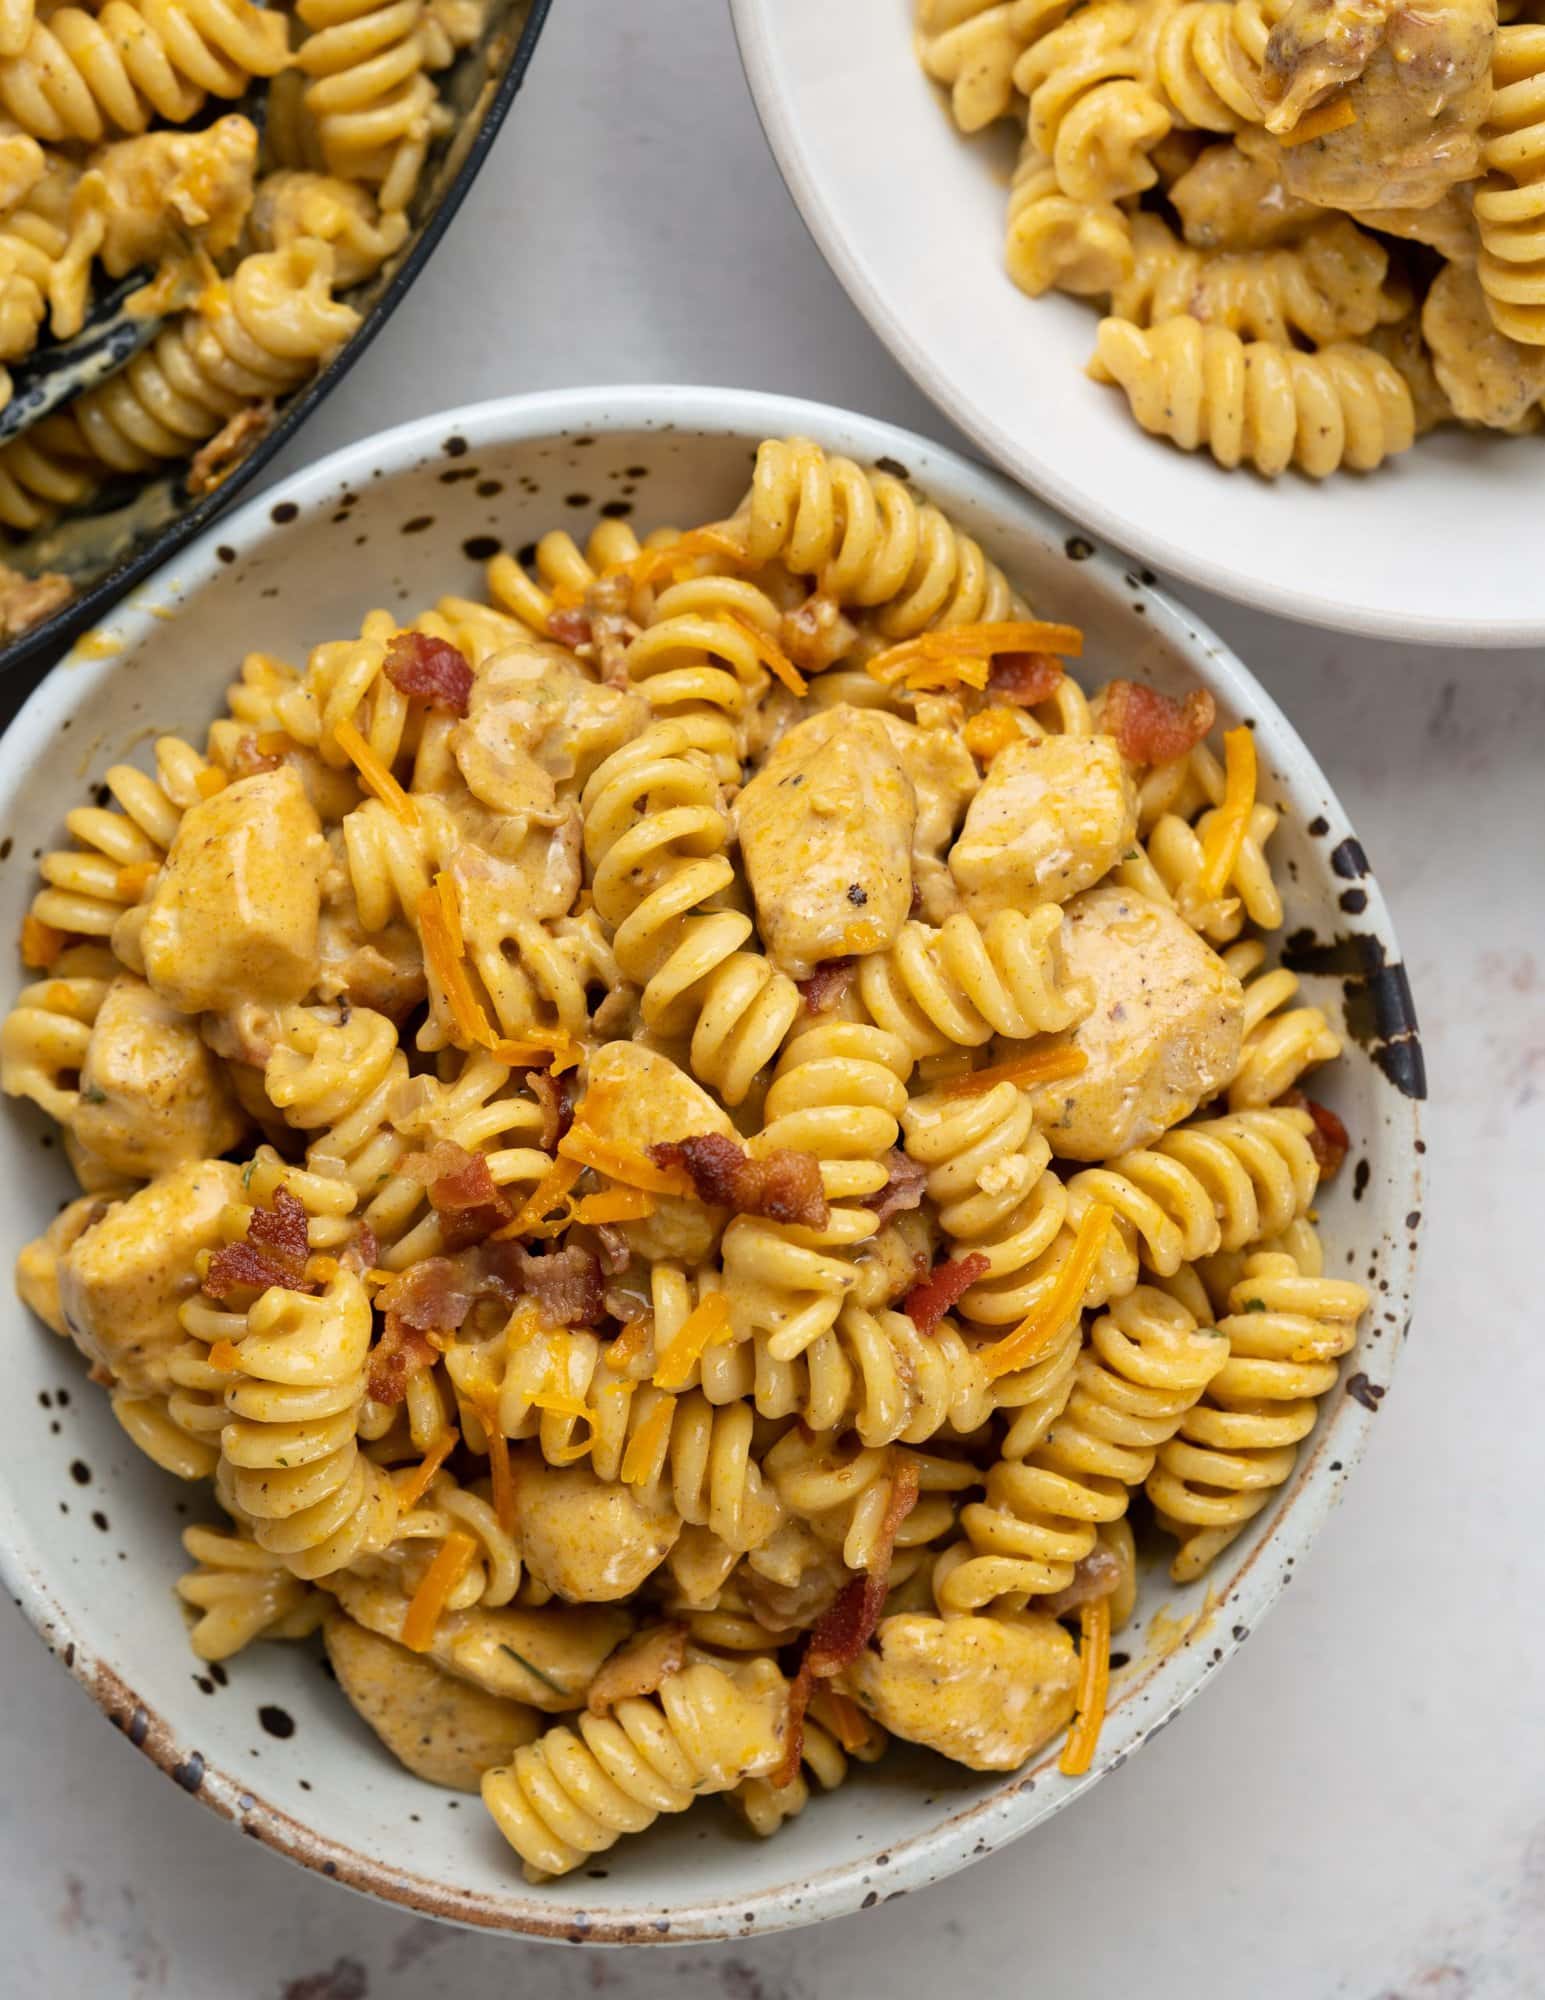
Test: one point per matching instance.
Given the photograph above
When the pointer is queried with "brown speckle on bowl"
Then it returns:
(417, 524)
(488, 488)
(455, 446)
(1319, 826)
(478, 548)
(1376, 995)
(276, 1721)
(283, 513)
(1349, 860)
(893, 466)
(226, 553)
(576, 499)
(1361, 1390)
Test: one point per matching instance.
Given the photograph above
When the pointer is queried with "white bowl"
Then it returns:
(88, 1529)
(911, 215)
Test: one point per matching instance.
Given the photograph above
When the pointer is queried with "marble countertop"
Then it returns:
(1358, 1806)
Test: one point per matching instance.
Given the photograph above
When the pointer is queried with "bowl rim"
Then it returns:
(754, 35)
(83, 610)
(1004, 1814)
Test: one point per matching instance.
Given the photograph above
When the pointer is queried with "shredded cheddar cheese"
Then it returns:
(771, 655)
(223, 1355)
(1041, 1066)
(133, 881)
(542, 1048)
(847, 1720)
(451, 1563)
(705, 1326)
(41, 944)
(667, 562)
(413, 1481)
(991, 730)
(210, 781)
(450, 906)
(1093, 1685)
(499, 1468)
(629, 1345)
(1062, 1302)
(618, 1204)
(1335, 116)
(963, 645)
(550, 1193)
(274, 743)
(622, 1163)
(647, 1443)
(450, 969)
(374, 775)
(1231, 821)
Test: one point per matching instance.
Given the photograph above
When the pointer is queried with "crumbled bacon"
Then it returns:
(841, 1634)
(400, 1352)
(431, 670)
(926, 1304)
(247, 760)
(903, 1188)
(1098, 1574)
(273, 1252)
(462, 1192)
(433, 1296)
(570, 628)
(1024, 679)
(827, 984)
(1330, 1142)
(638, 1667)
(566, 1284)
(784, 1184)
(1154, 728)
(363, 1252)
(555, 1094)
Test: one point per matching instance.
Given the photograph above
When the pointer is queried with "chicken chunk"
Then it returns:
(826, 832)
(1052, 817)
(981, 1691)
(37, 1264)
(638, 1099)
(535, 718)
(1164, 1033)
(589, 1540)
(944, 779)
(234, 914)
(443, 1729)
(1487, 378)
(122, 1281)
(152, 1095)
(1232, 197)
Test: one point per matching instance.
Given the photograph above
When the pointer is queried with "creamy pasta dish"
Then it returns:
(193, 261)
(687, 1145)
(1316, 228)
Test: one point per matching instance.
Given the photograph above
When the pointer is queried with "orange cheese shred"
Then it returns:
(705, 1326)
(1040, 1066)
(541, 1048)
(274, 743)
(450, 969)
(991, 730)
(209, 781)
(373, 773)
(41, 944)
(1229, 824)
(1064, 1300)
(499, 1469)
(647, 1443)
(413, 1482)
(656, 565)
(1093, 1686)
(629, 1345)
(846, 1720)
(617, 1204)
(965, 644)
(223, 1355)
(451, 1563)
(550, 1192)
(771, 655)
(622, 1163)
(133, 881)
(1335, 116)
(450, 907)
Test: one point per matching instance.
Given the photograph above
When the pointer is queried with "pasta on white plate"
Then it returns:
(683, 1148)
(1313, 226)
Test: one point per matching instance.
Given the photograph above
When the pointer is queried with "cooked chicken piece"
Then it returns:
(826, 832)
(1054, 814)
(639, 1099)
(443, 1729)
(122, 1281)
(152, 1095)
(536, 717)
(1487, 378)
(233, 916)
(37, 1264)
(981, 1691)
(1164, 1033)
(588, 1540)
(1233, 198)
(944, 780)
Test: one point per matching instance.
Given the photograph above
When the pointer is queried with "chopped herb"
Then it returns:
(857, 895)
(535, 1672)
(1255, 1305)
(93, 1094)
(1130, 855)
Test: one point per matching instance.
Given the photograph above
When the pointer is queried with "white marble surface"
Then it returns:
(1358, 1807)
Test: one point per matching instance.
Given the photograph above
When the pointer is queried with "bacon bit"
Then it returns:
(1330, 1142)
(1334, 116)
(565, 1284)
(629, 1345)
(239, 1265)
(462, 1192)
(570, 627)
(707, 1325)
(431, 1296)
(967, 646)
(429, 670)
(1025, 679)
(827, 984)
(374, 775)
(1093, 1684)
(991, 730)
(363, 1251)
(1228, 825)
(401, 1351)
(413, 1485)
(41, 944)
(132, 882)
(584, 1145)
(1040, 1066)
(281, 1232)
(1098, 1574)
(647, 1443)
(210, 781)
(842, 1633)
(926, 1304)
(1063, 1302)
(1153, 728)
(445, 961)
(771, 655)
(903, 1189)
(273, 1252)
(618, 1204)
(550, 1193)
(250, 758)
(783, 1184)
(223, 1355)
(638, 1667)
(451, 1563)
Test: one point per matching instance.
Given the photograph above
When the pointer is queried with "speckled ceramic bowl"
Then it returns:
(89, 1531)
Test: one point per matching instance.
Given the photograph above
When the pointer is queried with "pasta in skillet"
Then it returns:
(680, 1145)
(1312, 225)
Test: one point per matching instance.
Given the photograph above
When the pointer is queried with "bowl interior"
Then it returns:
(89, 1530)
(911, 216)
